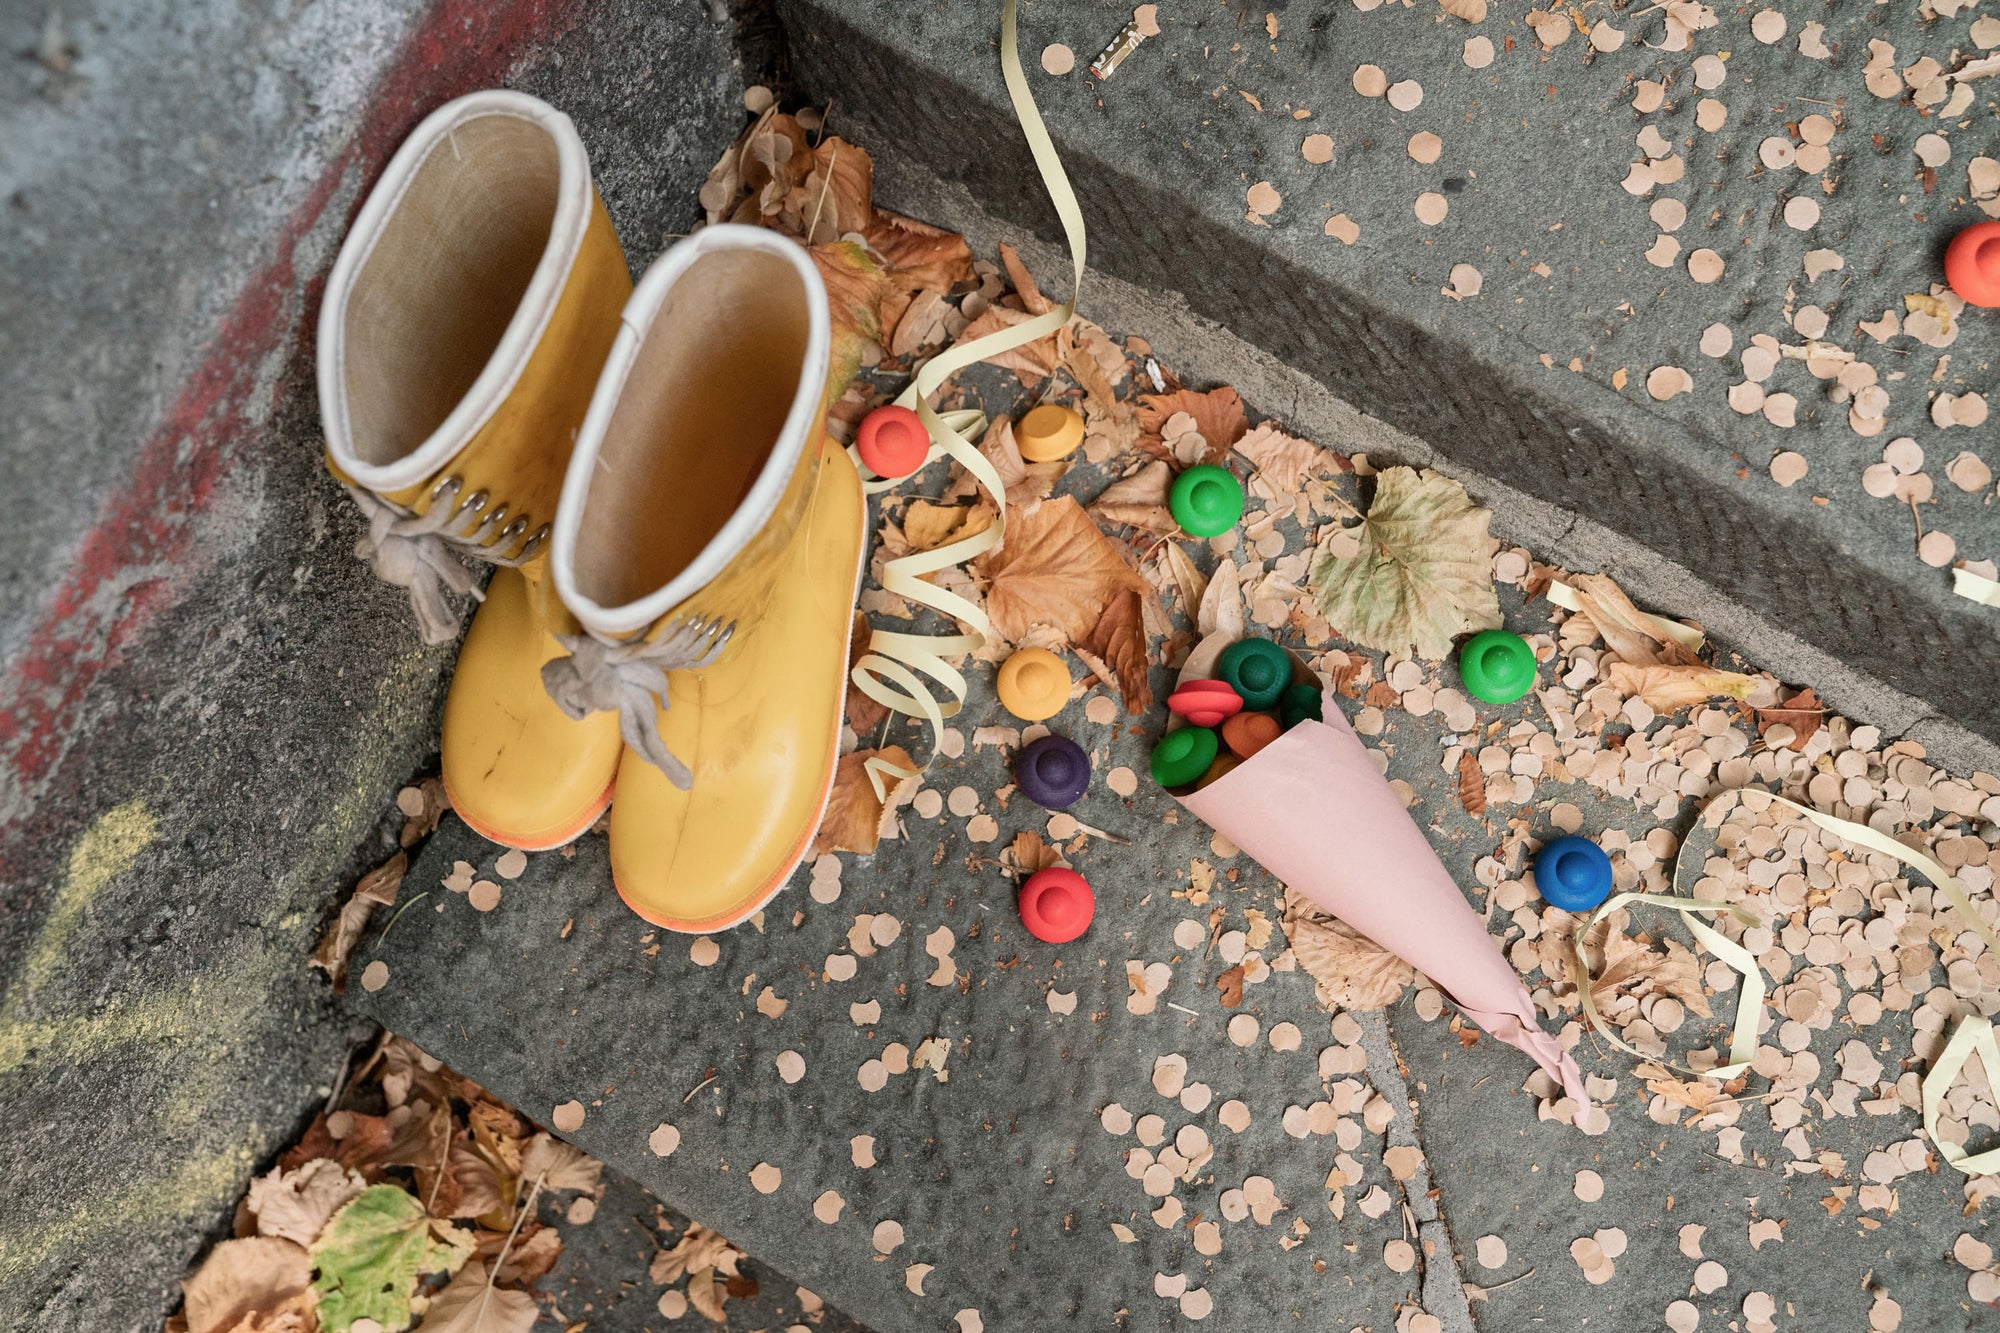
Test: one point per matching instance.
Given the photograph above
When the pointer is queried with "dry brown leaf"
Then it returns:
(1471, 784)
(1472, 11)
(559, 1166)
(1027, 483)
(1024, 283)
(864, 714)
(1634, 635)
(1056, 568)
(1229, 987)
(1349, 970)
(1031, 852)
(918, 255)
(1803, 713)
(295, 1204)
(419, 826)
(837, 197)
(1139, 501)
(1283, 462)
(853, 821)
(1032, 362)
(1672, 970)
(1423, 571)
(1218, 415)
(927, 526)
(1668, 689)
(377, 889)
(1698, 1096)
(1191, 582)
(855, 286)
(469, 1304)
(245, 1277)
(476, 1181)
(1119, 641)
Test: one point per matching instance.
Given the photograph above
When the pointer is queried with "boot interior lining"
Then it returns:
(700, 412)
(444, 278)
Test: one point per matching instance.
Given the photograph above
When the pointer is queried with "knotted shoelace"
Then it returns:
(599, 676)
(419, 552)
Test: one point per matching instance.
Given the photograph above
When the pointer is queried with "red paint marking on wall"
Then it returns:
(124, 570)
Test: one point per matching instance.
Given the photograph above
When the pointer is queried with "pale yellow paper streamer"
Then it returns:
(1975, 587)
(1974, 1034)
(895, 658)
(1749, 1002)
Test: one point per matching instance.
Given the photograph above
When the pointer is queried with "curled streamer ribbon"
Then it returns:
(1974, 1033)
(887, 673)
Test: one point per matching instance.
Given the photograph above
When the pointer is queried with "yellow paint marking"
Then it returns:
(103, 853)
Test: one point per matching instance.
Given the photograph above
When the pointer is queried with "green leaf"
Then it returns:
(372, 1253)
(1416, 574)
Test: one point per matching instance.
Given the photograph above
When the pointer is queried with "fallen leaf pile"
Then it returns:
(409, 1202)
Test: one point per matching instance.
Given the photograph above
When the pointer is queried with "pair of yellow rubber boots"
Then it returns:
(677, 540)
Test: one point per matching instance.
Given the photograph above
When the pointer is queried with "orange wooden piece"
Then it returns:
(1247, 733)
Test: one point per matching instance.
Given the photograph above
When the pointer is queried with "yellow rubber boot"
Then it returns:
(463, 328)
(709, 542)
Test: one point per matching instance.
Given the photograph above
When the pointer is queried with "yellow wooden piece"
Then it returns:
(1034, 684)
(759, 728)
(517, 768)
(1049, 432)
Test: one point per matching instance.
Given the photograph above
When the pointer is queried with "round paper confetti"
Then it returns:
(791, 1066)
(1705, 266)
(1589, 1186)
(374, 976)
(1407, 95)
(1263, 198)
(1148, 19)
(511, 863)
(1788, 468)
(664, 1140)
(887, 1236)
(1431, 208)
(567, 1117)
(1317, 148)
(1936, 549)
(1058, 59)
(1425, 147)
(484, 896)
(1343, 229)
(1801, 213)
(1492, 1252)
(1370, 81)
(765, 1178)
(704, 951)
(1478, 52)
(1716, 340)
(827, 1207)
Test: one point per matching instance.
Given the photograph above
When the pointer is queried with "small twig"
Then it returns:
(1473, 1287)
(339, 1083)
(485, 1297)
(824, 117)
(383, 937)
(825, 187)
(697, 1088)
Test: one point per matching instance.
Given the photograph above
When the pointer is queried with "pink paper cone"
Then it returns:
(1311, 808)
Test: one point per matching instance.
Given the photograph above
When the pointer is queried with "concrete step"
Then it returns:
(1535, 388)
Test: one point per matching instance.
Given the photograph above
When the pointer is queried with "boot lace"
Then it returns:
(415, 551)
(600, 675)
